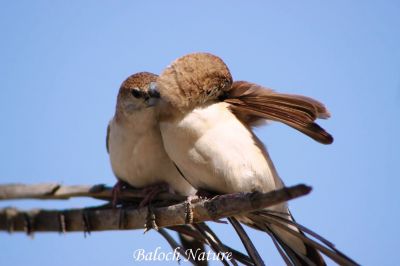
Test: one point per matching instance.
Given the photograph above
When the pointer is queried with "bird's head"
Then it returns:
(193, 80)
(137, 93)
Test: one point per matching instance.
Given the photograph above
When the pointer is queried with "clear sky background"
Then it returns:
(61, 64)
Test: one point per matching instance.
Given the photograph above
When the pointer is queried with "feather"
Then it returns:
(252, 103)
(266, 218)
(248, 244)
(204, 234)
(191, 243)
(215, 243)
(174, 245)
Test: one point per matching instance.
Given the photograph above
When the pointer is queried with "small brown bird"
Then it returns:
(205, 122)
(135, 147)
(134, 142)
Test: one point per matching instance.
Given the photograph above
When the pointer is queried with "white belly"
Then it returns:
(140, 159)
(215, 151)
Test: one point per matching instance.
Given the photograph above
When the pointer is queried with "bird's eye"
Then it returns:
(136, 93)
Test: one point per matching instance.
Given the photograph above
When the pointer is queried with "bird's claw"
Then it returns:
(116, 190)
(151, 192)
(150, 220)
(189, 208)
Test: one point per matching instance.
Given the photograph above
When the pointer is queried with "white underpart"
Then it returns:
(216, 151)
(138, 157)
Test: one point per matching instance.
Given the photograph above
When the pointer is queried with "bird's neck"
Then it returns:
(139, 121)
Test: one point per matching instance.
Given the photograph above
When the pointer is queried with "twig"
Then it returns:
(102, 218)
(54, 191)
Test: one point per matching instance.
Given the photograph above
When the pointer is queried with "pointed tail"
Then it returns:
(296, 244)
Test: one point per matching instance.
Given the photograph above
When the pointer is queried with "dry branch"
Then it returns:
(57, 191)
(106, 218)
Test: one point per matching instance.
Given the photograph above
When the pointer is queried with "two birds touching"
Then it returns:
(191, 128)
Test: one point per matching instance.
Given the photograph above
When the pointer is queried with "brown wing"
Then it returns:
(252, 103)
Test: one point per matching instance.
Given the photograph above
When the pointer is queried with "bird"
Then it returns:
(206, 122)
(134, 141)
(135, 146)
(138, 157)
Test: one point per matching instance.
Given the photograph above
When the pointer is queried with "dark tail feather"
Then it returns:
(295, 258)
(214, 242)
(293, 249)
(190, 243)
(324, 246)
(280, 250)
(248, 244)
(236, 255)
(204, 234)
(174, 245)
(275, 225)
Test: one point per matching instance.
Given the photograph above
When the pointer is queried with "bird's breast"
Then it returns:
(215, 151)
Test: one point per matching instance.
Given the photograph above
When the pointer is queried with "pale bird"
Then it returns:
(135, 146)
(134, 142)
(205, 122)
(138, 157)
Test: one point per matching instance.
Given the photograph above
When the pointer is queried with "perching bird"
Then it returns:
(134, 141)
(138, 157)
(205, 122)
(135, 146)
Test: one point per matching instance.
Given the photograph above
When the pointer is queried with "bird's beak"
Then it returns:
(154, 94)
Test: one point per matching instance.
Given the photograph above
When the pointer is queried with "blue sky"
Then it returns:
(61, 64)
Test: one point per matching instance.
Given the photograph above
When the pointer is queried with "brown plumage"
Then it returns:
(185, 86)
(185, 91)
(137, 86)
(135, 147)
(251, 103)
(207, 134)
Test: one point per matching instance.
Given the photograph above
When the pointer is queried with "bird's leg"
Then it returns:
(201, 194)
(116, 190)
(206, 194)
(189, 211)
(150, 219)
(151, 193)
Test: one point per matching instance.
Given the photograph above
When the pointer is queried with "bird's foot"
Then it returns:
(200, 195)
(151, 193)
(150, 220)
(116, 190)
(205, 194)
(189, 208)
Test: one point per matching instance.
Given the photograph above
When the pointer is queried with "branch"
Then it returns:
(60, 192)
(106, 218)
